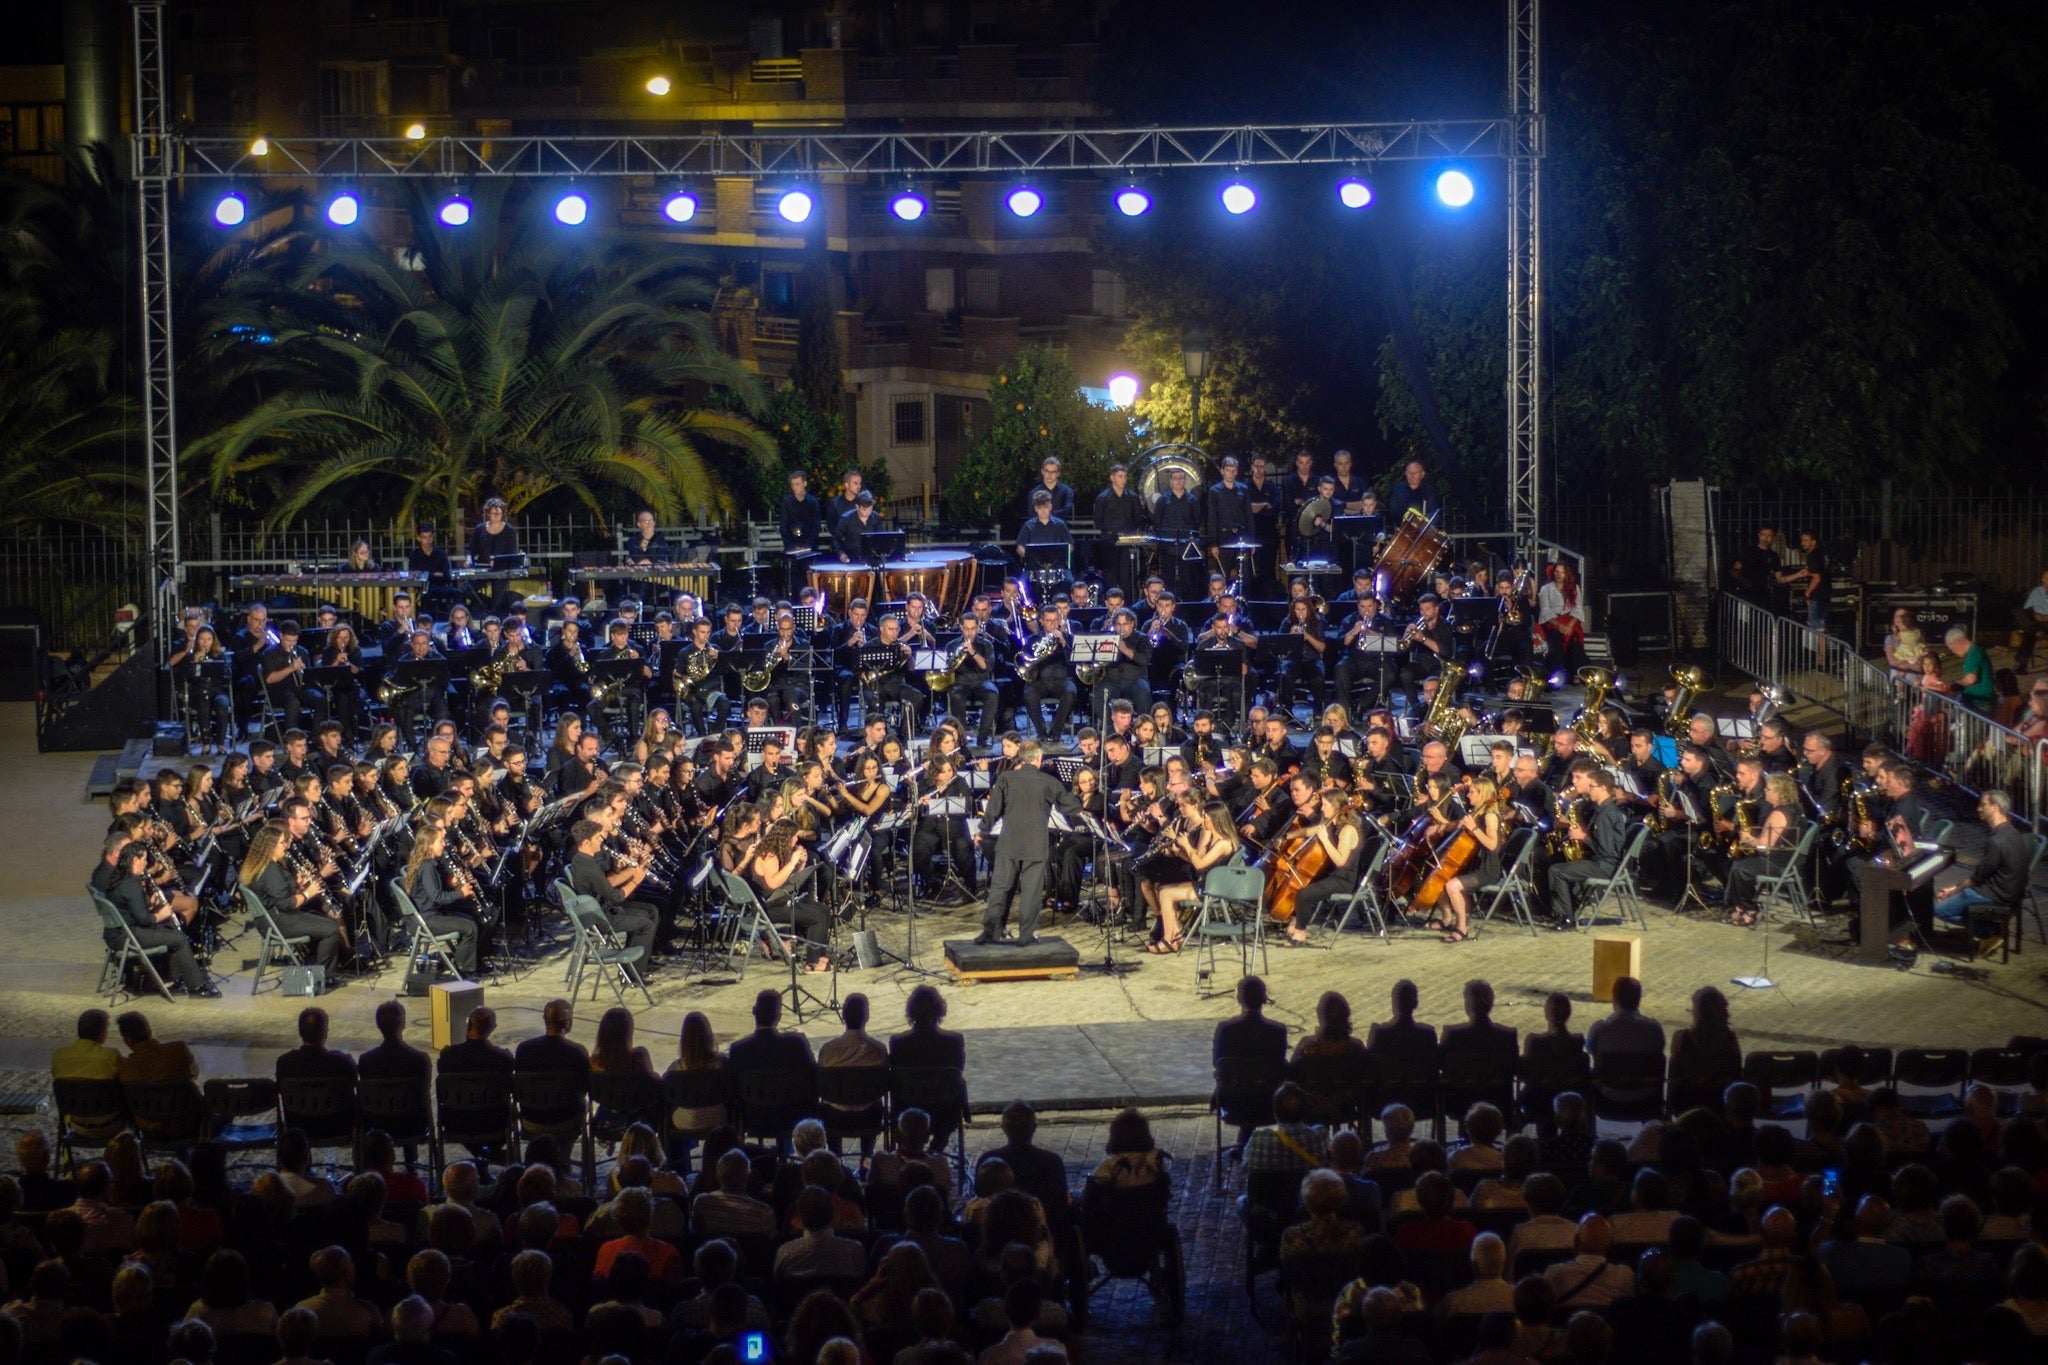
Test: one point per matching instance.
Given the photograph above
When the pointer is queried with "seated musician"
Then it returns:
(427, 558)
(1564, 751)
(516, 655)
(1270, 808)
(1200, 838)
(122, 878)
(1301, 667)
(974, 680)
(1271, 742)
(288, 894)
(1998, 883)
(1430, 642)
(1605, 838)
(283, 672)
(698, 679)
(1051, 678)
(460, 632)
(1774, 748)
(1219, 667)
(208, 701)
(345, 700)
(918, 621)
(647, 545)
(1512, 633)
(428, 700)
(848, 530)
(1482, 820)
(888, 683)
(1324, 763)
(570, 669)
(938, 834)
(1343, 843)
(1769, 855)
(849, 639)
(633, 692)
(777, 871)
(443, 895)
(1665, 856)
(612, 886)
(1042, 527)
(1127, 677)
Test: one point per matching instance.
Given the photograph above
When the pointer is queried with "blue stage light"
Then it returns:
(1132, 201)
(231, 211)
(1239, 197)
(455, 212)
(680, 207)
(907, 206)
(1454, 187)
(1354, 193)
(572, 209)
(1025, 201)
(795, 206)
(344, 209)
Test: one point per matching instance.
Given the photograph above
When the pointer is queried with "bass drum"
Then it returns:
(1156, 465)
(1407, 559)
(839, 584)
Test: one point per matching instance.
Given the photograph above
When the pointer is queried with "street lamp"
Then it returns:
(1194, 359)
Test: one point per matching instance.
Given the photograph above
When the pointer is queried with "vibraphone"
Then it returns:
(693, 578)
(367, 595)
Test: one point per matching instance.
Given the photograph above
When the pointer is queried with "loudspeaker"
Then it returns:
(307, 981)
(866, 950)
(452, 1003)
(417, 984)
(170, 739)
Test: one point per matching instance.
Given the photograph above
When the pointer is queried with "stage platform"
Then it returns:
(1097, 1039)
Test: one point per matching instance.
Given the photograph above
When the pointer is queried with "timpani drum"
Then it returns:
(839, 584)
(914, 573)
(1410, 555)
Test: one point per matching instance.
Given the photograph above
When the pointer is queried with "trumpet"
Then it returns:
(1412, 634)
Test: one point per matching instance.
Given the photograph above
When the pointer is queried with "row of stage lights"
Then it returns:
(1454, 189)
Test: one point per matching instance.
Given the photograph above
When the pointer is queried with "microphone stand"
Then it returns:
(1105, 839)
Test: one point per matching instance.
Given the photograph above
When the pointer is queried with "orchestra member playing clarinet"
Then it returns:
(1199, 838)
(122, 880)
(446, 908)
(285, 895)
(1023, 798)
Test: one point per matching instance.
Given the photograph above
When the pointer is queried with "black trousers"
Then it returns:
(324, 932)
(1057, 687)
(948, 835)
(1122, 684)
(968, 688)
(464, 928)
(291, 703)
(703, 706)
(1311, 898)
(1568, 885)
(1026, 880)
(635, 922)
(182, 967)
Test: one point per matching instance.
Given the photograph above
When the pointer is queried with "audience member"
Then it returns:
(1489, 1291)
(1290, 1143)
(1589, 1279)
(1251, 1040)
(312, 1059)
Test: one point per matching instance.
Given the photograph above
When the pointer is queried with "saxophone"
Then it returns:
(1743, 841)
(1656, 821)
(1570, 811)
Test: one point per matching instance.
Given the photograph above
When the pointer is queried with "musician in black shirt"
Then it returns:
(1263, 498)
(619, 645)
(633, 920)
(847, 531)
(1050, 680)
(842, 502)
(1062, 494)
(1413, 491)
(698, 678)
(427, 558)
(493, 537)
(283, 671)
(1226, 513)
(1127, 675)
(893, 686)
(1043, 528)
(1177, 519)
(973, 680)
(647, 545)
(1119, 512)
(1431, 643)
(121, 877)
(1296, 490)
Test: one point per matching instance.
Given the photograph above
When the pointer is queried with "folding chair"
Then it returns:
(425, 945)
(854, 1101)
(114, 969)
(1789, 884)
(1784, 1079)
(773, 1101)
(598, 952)
(242, 1112)
(620, 1099)
(168, 1116)
(941, 1091)
(278, 950)
(321, 1107)
(694, 1090)
(89, 1114)
(1628, 1087)
(1366, 899)
(1620, 887)
(475, 1112)
(538, 1094)
(403, 1110)
(750, 922)
(1244, 1094)
(1336, 1086)
(1930, 1080)
(2007, 1070)
(1230, 908)
(1516, 888)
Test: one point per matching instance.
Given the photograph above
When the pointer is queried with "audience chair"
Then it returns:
(1516, 887)
(1930, 1080)
(1336, 1086)
(1620, 888)
(620, 1099)
(941, 1091)
(403, 1110)
(1468, 1078)
(772, 1101)
(861, 1094)
(89, 1114)
(475, 1112)
(1243, 1094)
(536, 1095)
(2007, 1070)
(322, 1107)
(1130, 1236)
(1545, 1076)
(598, 951)
(694, 1090)
(1628, 1087)
(1783, 1079)
(242, 1113)
(168, 1116)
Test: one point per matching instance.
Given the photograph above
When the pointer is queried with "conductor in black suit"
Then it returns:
(1023, 799)
(1253, 1039)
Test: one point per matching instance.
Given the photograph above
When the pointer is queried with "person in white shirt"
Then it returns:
(1589, 1279)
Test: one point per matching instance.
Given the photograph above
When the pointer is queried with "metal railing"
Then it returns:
(1927, 727)
(73, 579)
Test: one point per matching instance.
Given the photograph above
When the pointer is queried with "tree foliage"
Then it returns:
(1036, 409)
(517, 364)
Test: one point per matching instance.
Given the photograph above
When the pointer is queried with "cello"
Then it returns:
(1293, 860)
(1405, 870)
(1453, 857)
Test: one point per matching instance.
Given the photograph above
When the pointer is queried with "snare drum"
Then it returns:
(839, 584)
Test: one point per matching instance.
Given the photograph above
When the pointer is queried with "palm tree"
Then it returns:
(524, 367)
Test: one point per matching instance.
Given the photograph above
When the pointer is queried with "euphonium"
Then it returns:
(942, 679)
(390, 690)
(1443, 721)
(1691, 680)
(1598, 682)
(489, 677)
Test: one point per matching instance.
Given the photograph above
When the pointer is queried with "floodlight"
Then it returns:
(680, 207)
(344, 209)
(454, 212)
(1354, 193)
(795, 206)
(572, 209)
(658, 85)
(1239, 198)
(1025, 201)
(907, 206)
(260, 147)
(231, 210)
(1132, 201)
(416, 132)
(1454, 187)
(1123, 389)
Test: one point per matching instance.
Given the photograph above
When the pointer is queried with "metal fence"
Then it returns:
(72, 579)
(1999, 538)
(1927, 727)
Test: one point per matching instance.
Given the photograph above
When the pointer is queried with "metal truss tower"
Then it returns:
(154, 151)
(1525, 276)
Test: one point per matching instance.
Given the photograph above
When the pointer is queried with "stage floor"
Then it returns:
(1083, 1043)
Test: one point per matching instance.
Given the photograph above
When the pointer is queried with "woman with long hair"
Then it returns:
(346, 699)
(697, 1050)
(1301, 669)
(395, 777)
(1774, 846)
(1206, 838)
(568, 731)
(1482, 821)
(652, 734)
(440, 891)
(1333, 1036)
(614, 1050)
(1342, 842)
(1561, 619)
(285, 895)
(208, 700)
(1706, 1056)
(359, 560)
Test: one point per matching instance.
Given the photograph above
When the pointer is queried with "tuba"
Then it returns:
(1691, 680)
(1598, 682)
(1443, 721)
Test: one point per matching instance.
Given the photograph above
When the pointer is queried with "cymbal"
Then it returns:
(1240, 545)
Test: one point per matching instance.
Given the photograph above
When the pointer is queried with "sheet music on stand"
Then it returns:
(976, 831)
(1066, 765)
(1155, 755)
(946, 807)
(1096, 648)
(924, 660)
(758, 737)
(1626, 780)
(1476, 751)
(642, 638)
(1689, 807)
(369, 855)
(807, 618)
(1735, 727)
(1378, 644)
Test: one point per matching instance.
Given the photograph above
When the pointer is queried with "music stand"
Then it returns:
(877, 547)
(626, 671)
(1105, 839)
(1049, 567)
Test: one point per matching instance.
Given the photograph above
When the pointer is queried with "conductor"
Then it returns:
(1023, 799)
